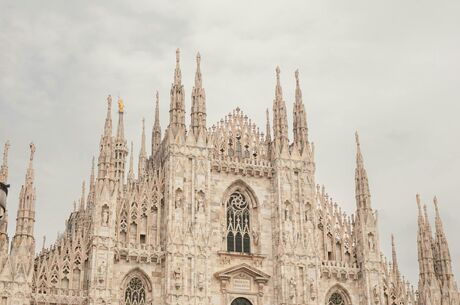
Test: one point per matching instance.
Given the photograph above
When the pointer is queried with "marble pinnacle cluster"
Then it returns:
(223, 214)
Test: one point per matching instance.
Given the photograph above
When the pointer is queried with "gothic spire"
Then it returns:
(4, 167)
(394, 257)
(363, 196)
(92, 186)
(268, 136)
(82, 199)
(198, 114)
(156, 132)
(177, 106)
(131, 164)
(300, 117)
(25, 216)
(108, 119)
(105, 152)
(121, 151)
(444, 260)
(280, 126)
(142, 153)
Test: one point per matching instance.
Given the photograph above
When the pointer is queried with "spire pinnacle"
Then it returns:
(268, 136)
(177, 72)
(108, 120)
(198, 112)
(82, 199)
(279, 91)
(280, 126)
(359, 156)
(4, 167)
(300, 117)
(131, 164)
(393, 254)
(198, 82)
(362, 184)
(156, 132)
(142, 154)
(177, 105)
(30, 170)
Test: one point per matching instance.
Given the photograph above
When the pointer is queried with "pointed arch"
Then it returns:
(136, 288)
(240, 201)
(337, 295)
(245, 189)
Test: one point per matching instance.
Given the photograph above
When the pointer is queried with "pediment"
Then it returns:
(243, 270)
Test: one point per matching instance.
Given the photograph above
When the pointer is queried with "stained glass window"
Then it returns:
(135, 292)
(238, 225)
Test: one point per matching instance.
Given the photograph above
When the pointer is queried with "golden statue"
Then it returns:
(121, 106)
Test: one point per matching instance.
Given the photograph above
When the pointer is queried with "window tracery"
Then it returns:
(238, 224)
(336, 299)
(135, 292)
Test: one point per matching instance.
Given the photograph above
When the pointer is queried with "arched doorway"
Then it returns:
(241, 301)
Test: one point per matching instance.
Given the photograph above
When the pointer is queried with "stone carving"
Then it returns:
(105, 215)
(200, 202)
(292, 287)
(177, 277)
(200, 281)
(156, 223)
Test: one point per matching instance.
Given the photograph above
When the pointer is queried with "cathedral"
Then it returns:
(227, 214)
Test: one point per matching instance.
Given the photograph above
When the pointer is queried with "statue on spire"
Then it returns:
(121, 106)
(32, 151)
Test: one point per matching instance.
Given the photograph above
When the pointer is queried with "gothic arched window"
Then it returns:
(238, 225)
(336, 299)
(135, 292)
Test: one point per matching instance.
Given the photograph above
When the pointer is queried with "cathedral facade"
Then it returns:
(221, 215)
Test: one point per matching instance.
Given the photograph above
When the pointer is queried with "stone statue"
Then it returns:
(177, 276)
(292, 287)
(105, 216)
(121, 106)
(255, 236)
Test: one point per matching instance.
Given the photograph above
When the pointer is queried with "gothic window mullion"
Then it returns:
(238, 226)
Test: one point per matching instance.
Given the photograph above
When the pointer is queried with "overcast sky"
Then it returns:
(388, 69)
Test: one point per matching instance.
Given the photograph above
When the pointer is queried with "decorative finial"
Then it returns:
(121, 105)
(5, 152)
(278, 73)
(417, 197)
(32, 151)
(109, 102)
(357, 138)
(296, 73)
(177, 55)
(44, 242)
(198, 59)
(435, 201)
(157, 95)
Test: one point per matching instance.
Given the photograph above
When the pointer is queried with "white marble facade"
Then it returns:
(221, 215)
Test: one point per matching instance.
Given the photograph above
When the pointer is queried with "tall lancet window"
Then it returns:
(238, 224)
(135, 292)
